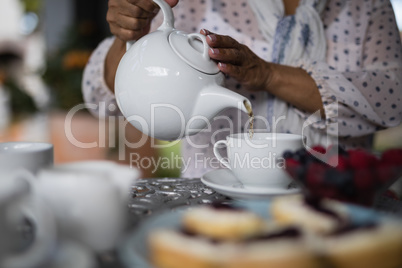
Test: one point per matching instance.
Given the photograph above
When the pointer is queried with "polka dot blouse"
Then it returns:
(359, 82)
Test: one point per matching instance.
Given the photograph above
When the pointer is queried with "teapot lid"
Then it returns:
(193, 49)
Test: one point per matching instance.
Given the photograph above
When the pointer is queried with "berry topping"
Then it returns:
(223, 206)
(289, 232)
(287, 154)
(392, 157)
(353, 175)
(361, 159)
(319, 149)
(353, 227)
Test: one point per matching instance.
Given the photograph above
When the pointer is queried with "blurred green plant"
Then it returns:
(32, 5)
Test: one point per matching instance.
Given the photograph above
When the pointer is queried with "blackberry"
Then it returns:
(338, 179)
(287, 154)
(300, 155)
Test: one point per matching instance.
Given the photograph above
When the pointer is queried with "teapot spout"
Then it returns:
(214, 99)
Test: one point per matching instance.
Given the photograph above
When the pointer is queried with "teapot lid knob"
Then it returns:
(193, 49)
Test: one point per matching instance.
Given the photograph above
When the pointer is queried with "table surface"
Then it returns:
(151, 195)
(148, 196)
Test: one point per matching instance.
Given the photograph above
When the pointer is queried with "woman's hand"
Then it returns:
(131, 19)
(238, 61)
(291, 84)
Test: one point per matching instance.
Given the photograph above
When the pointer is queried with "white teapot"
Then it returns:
(167, 86)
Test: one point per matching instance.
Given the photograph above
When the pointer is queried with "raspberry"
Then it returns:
(386, 173)
(319, 149)
(315, 174)
(364, 180)
(359, 159)
(316, 154)
(290, 162)
(392, 157)
(291, 167)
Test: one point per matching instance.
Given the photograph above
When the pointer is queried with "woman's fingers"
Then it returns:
(237, 60)
(224, 41)
(224, 48)
(130, 18)
(124, 7)
(146, 5)
(123, 34)
(227, 55)
(133, 24)
(136, 12)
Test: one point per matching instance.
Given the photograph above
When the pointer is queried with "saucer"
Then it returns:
(223, 181)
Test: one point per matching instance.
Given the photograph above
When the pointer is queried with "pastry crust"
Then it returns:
(172, 249)
(227, 224)
(297, 236)
(380, 246)
(294, 210)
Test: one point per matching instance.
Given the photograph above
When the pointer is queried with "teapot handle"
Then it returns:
(194, 36)
(168, 18)
(129, 44)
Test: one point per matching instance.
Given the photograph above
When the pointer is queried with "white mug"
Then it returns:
(258, 162)
(31, 156)
(20, 202)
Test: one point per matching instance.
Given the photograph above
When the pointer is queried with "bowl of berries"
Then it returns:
(354, 176)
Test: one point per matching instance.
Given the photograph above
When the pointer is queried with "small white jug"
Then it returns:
(89, 200)
(19, 202)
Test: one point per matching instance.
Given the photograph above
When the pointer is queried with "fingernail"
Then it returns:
(214, 50)
(212, 37)
(223, 65)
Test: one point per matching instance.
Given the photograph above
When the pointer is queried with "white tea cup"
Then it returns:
(258, 161)
(31, 156)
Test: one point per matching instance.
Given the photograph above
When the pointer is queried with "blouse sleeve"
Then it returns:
(99, 100)
(367, 97)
